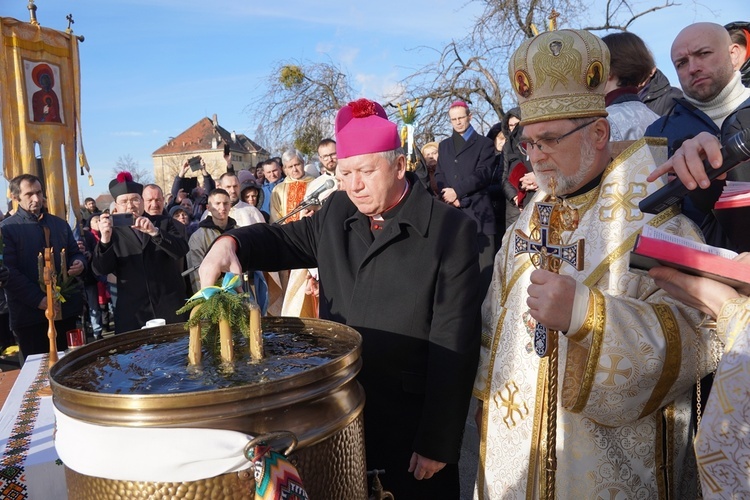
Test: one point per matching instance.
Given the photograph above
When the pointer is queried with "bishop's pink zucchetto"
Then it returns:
(362, 127)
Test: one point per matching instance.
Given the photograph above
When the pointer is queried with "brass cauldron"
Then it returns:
(321, 406)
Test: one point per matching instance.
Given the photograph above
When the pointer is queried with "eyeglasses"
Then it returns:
(548, 145)
(134, 201)
(328, 157)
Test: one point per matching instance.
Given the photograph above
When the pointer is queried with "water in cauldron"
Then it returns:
(162, 367)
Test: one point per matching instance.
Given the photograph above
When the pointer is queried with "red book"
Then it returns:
(657, 248)
(736, 194)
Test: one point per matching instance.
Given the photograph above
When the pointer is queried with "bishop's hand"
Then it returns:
(551, 299)
(221, 258)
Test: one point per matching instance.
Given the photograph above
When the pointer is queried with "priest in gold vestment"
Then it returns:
(285, 197)
(628, 354)
(288, 194)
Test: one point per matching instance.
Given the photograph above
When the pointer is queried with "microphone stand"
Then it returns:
(302, 205)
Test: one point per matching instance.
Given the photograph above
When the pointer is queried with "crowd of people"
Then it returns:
(590, 378)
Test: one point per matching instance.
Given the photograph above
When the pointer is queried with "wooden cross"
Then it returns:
(548, 251)
(50, 280)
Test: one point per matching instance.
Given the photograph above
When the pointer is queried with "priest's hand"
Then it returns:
(687, 161)
(423, 467)
(105, 228)
(221, 258)
(144, 225)
(704, 294)
(551, 299)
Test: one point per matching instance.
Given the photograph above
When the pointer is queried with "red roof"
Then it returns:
(200, 137)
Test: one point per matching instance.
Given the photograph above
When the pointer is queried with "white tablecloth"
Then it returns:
(29, 467)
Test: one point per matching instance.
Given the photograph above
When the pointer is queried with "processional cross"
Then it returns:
(548, 251)
(50, 282)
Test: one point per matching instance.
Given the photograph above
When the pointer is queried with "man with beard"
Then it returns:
(716, 102)
(627, 355)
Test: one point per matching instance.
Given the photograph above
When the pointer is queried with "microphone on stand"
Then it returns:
(735, 151)
(329, 184)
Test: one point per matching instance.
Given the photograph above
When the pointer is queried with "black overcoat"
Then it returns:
(413, 294)
(149, 284)
(469, 172)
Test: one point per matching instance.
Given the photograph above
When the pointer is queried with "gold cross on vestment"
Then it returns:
(511, 406)
(613, 371)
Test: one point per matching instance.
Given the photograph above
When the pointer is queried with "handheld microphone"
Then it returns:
(735, 151)
(329, 184)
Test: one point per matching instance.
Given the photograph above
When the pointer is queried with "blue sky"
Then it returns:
(152, 68)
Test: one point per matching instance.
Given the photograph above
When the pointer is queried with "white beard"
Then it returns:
(569, 184)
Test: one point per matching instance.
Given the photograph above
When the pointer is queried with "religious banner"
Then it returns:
(41, 108)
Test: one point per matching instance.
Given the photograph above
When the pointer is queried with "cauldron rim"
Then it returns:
(145, 401)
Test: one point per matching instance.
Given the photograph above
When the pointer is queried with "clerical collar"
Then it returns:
(593, 183)
(377, 221)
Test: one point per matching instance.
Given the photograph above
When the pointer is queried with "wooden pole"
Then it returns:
(51, 282)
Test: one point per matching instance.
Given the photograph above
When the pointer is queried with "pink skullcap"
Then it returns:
(362, 127)
(459, 104)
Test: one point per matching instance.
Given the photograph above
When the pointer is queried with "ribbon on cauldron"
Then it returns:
(276, 478)
(228, 284)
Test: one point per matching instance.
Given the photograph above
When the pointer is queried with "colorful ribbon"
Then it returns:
(276, 478)
(228, 284)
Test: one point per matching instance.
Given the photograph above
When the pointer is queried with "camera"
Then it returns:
(122, 220)
(195, 163)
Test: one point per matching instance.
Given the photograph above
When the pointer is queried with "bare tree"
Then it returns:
(474, 69)
(300, 97)
(140, 174)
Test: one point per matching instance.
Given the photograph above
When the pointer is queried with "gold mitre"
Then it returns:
(560, 74)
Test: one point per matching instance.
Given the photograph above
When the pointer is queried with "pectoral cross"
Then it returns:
(548, 251)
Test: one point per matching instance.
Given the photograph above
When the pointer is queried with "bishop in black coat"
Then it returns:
(408, 282)
(412, 292)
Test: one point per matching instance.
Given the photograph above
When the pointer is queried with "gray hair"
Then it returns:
(288, 155)
(392, 155)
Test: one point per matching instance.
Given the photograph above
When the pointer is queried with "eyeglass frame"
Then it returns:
(329, 156)
(550, 149)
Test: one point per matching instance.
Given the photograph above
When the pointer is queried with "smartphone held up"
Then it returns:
(195, 163)
(122, 220)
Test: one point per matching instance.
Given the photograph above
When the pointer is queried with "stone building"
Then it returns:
(206, 138)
